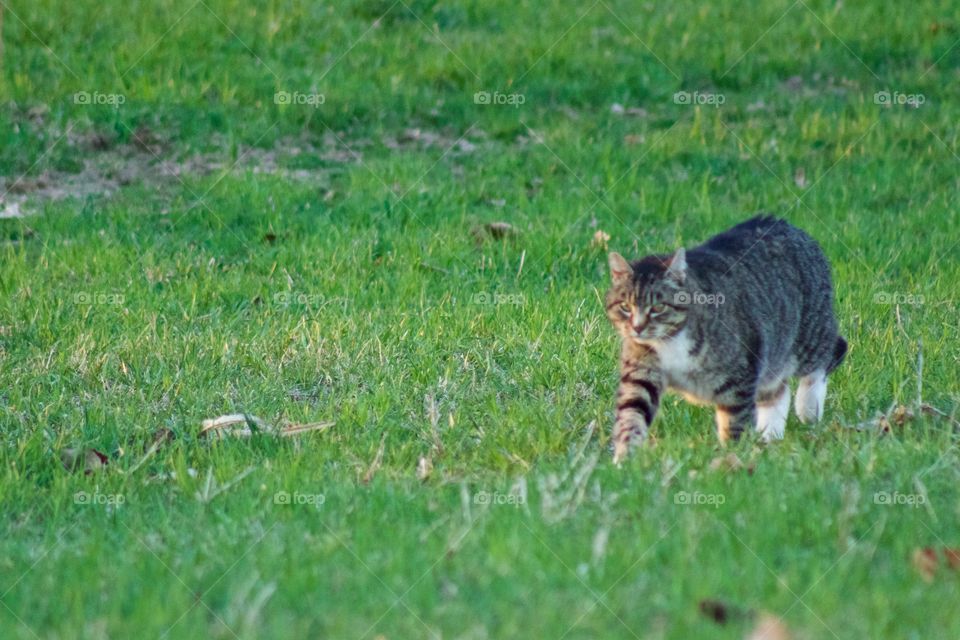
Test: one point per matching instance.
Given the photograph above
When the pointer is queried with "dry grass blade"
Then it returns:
(377, 461)
(235, 424)
(242, 425)
(297, 429)
(160, 438)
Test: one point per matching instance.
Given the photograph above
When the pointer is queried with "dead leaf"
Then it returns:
(235, 424)
(424, 468)
(145, 139)
(800, 178)
(769, 627)
(600, 239)
(901, 415)
(89, 460)
(953, 557)
(721, 612)
(495, 230)
(925, 562)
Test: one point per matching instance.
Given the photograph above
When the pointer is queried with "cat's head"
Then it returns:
(647, 300)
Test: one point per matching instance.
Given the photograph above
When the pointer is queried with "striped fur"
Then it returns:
(638, 396)
(727, 323)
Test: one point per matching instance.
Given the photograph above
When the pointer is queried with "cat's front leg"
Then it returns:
(638, 397)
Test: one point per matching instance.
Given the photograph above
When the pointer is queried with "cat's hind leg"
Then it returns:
(732, 420)
(811, 395)
(772, 409)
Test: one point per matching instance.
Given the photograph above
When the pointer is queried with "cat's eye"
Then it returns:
(625, 308)
(657, 309)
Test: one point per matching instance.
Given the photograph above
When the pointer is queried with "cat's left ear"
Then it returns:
(620, 269)
(677, 268)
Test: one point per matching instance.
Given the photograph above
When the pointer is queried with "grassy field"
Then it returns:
(279, 208)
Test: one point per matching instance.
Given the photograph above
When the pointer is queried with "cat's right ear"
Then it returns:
(620, 270)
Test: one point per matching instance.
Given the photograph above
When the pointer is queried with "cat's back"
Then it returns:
(763, 244)
(763, 233)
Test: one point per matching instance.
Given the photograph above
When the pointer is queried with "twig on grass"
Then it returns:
(898, 414)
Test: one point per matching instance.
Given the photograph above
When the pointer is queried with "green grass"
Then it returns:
(357, 295)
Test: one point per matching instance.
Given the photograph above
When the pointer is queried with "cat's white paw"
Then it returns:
(772, 418)
(811, 396)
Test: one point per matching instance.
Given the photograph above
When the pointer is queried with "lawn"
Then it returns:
(293, 210)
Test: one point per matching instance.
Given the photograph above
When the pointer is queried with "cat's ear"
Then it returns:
(677, 268)
(620, 269)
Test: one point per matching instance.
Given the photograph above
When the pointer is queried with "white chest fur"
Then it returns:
(680, 368)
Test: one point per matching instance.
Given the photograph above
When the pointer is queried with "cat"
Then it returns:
(727, 323)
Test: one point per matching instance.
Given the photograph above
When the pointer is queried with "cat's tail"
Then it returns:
(839, 352)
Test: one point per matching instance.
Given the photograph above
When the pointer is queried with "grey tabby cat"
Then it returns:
(726, 323)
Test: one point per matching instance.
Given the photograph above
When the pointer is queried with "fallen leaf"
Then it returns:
(145, 139)
(424, 468)
(720, 611)
(800, 178)
(769, 627)
(89, 460)
(953, 557)
(925, 562)
(496, 230)
(600, 239)
(234, 424)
